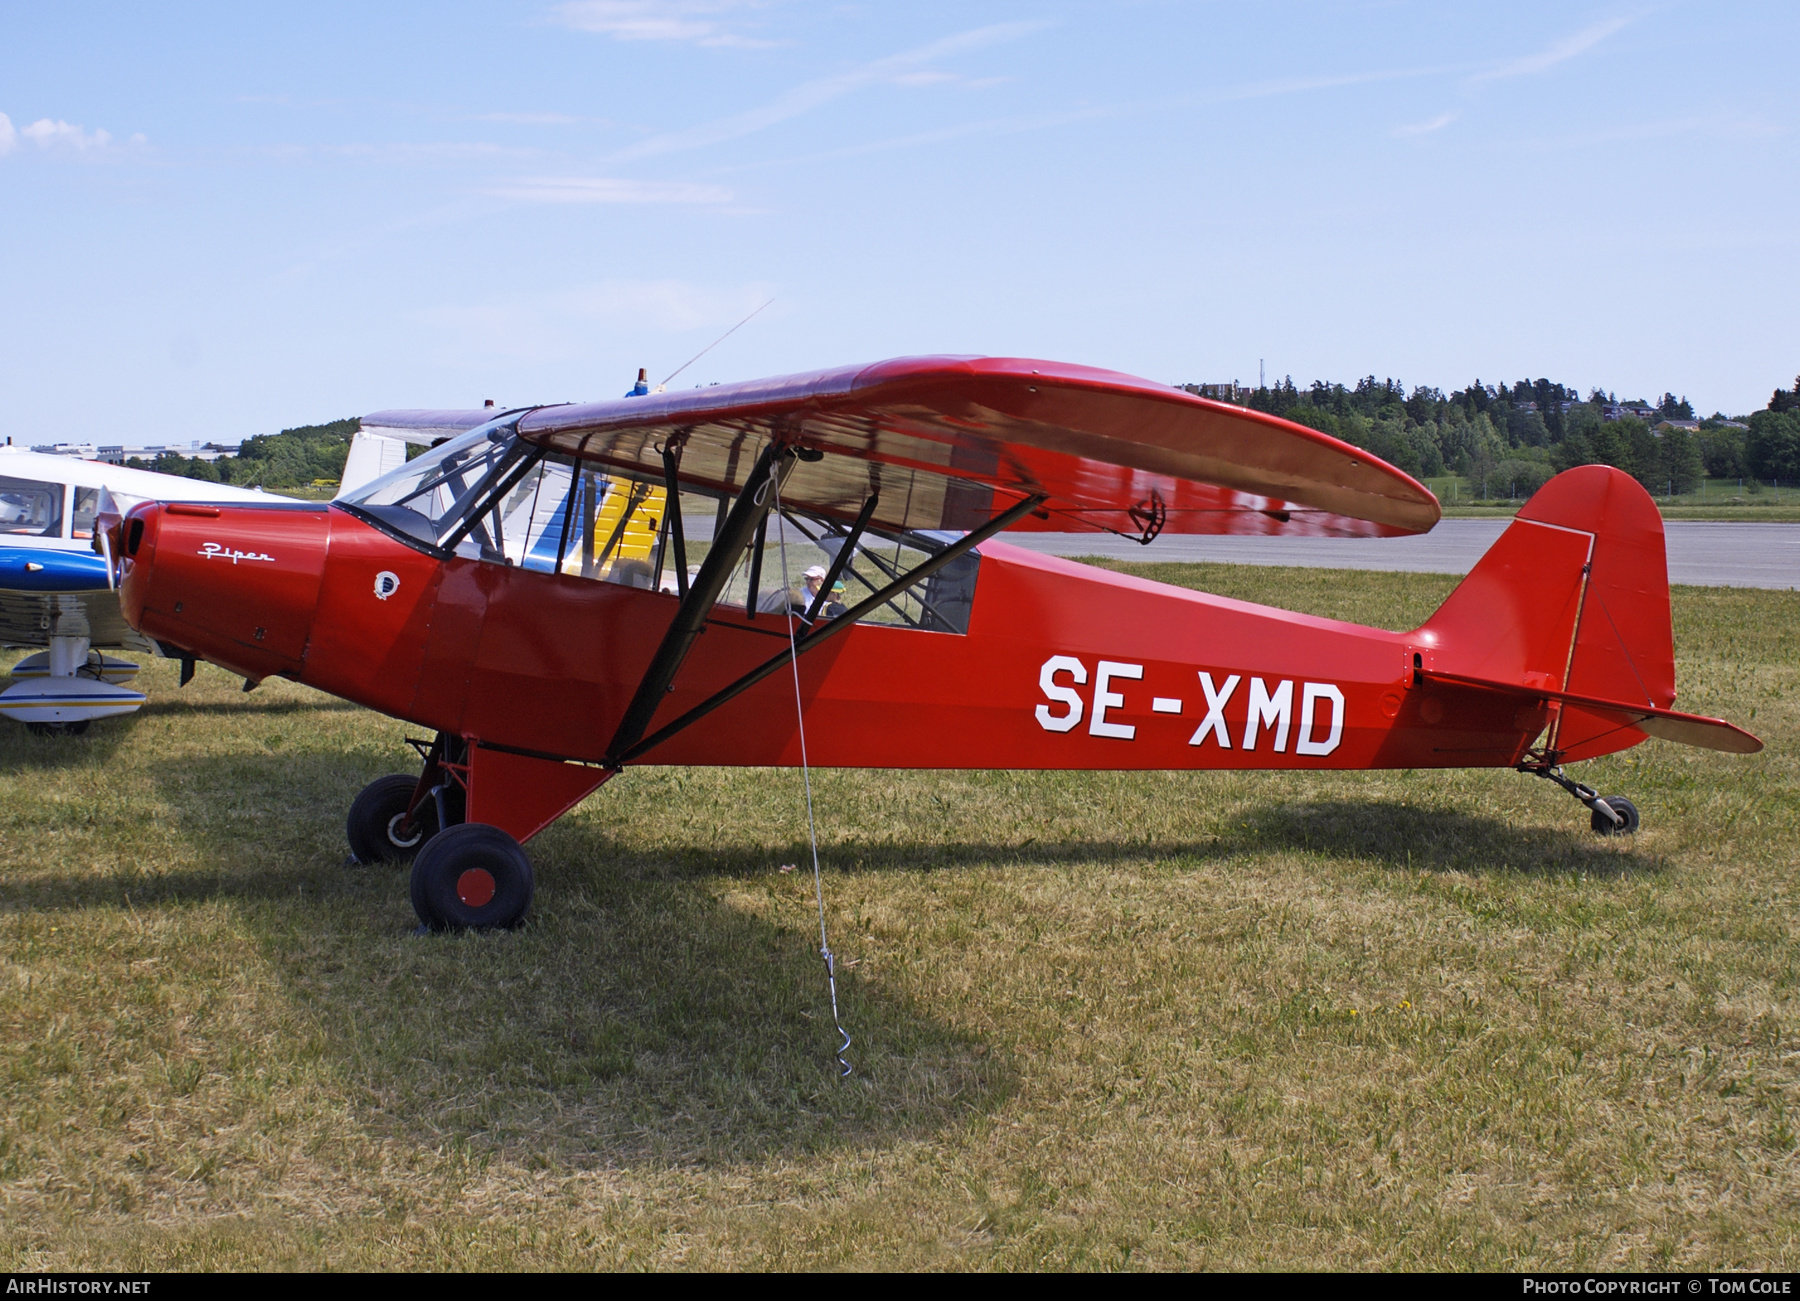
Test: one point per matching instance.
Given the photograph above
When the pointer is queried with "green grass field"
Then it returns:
(1395, 1020)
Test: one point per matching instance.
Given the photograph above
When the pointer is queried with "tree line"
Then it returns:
(1509, 438)
(293, 458)
(1512, 438)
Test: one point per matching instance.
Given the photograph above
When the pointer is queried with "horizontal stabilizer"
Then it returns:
(1666, 724)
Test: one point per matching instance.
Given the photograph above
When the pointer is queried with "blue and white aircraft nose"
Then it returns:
(47, 569)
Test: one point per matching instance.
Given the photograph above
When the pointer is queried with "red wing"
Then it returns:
(948, 441)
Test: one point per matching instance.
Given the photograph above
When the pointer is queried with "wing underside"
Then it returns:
(946, 443)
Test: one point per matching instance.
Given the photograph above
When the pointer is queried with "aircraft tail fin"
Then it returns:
(371, 456)
(1573, 603)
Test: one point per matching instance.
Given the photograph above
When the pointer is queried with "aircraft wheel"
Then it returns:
(58, 729)
(471, 877)
(374, 824)
(1604, 825)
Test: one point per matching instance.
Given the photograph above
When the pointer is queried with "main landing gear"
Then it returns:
(471, 877)
(1613, 815)
(465, 875)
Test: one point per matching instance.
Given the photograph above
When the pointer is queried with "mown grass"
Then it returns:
(1400, 1020)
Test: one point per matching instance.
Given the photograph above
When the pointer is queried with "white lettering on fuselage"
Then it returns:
(213, 551)
(1269, 707)
(1105, 700)
(1275, 710)
(1064, 695)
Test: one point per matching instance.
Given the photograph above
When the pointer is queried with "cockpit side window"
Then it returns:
(799, 552)
(87, 506)
(31, 508)
(563, 517)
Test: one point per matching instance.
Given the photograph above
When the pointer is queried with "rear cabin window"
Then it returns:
(30, 508)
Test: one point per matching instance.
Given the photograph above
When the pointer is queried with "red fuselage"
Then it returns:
(1063, 665)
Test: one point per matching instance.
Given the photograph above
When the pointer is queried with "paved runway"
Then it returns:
(1701, 553)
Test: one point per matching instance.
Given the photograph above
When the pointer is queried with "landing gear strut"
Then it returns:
(394, 816)
(465, 875)
(1613, 815)
(379, 828)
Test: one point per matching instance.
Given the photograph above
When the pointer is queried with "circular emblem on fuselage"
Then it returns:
(387, 582)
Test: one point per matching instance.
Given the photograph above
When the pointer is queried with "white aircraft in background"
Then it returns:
(56, 591)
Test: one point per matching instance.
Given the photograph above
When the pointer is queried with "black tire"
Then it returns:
(471, 877)
(373, 825)
(1604, 826)
(58, 729)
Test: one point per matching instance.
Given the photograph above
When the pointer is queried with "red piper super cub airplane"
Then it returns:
(481, 591)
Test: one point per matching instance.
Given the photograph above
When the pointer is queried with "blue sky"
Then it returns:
(225, 219)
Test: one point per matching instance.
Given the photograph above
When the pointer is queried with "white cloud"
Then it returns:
(923, 78)
(537, 119)
(565, 325)
(608, 189)
(699, 21)
(810, 95)
(1437, 123)
(1713, 126)
(1558, 51)
(59, 136)
(1305, 85)
(48, 135)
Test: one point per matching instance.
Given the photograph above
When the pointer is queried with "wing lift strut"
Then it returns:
(746, 520)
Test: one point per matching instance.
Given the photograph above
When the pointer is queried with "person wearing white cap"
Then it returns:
(800, 599)
(814, 578)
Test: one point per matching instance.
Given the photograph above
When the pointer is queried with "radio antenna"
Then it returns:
(709, 347)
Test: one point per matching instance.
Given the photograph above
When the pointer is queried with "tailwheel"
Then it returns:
(1612, 815)
(1626, 823)
(377, 826)
(471, 877)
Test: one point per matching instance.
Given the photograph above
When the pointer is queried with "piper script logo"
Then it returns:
(213, 551)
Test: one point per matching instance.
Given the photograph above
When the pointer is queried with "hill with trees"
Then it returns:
(293, 458)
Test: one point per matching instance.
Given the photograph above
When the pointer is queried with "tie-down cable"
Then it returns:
(773, 484)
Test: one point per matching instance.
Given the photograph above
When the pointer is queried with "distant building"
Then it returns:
(119, 453)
